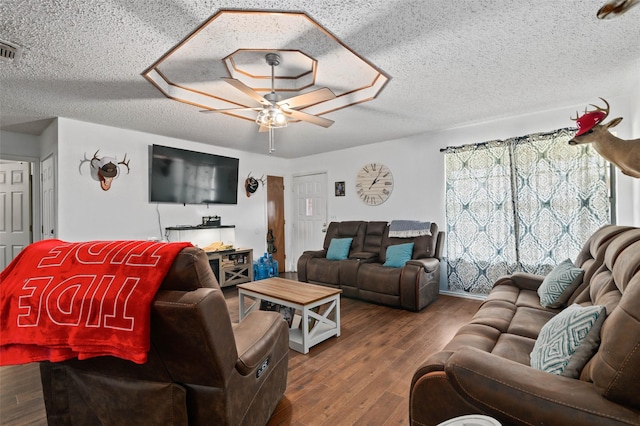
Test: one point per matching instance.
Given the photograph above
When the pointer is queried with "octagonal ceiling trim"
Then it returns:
(191, 71)
(293, 78)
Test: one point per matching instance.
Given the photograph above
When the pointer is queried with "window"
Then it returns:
(523, 204)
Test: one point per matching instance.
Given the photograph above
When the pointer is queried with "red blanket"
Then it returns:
(61, 300)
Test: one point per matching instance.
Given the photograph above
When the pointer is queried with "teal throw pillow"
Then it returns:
(397, 255)
(559, 284)
(562, 335)
(339, 248)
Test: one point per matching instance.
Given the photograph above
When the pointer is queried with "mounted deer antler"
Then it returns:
(125, 163)
(623, 153)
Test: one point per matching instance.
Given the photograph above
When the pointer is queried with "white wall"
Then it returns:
(18, 145)
(635, 134)
(414, 165)
(418, 166)
(124, 211)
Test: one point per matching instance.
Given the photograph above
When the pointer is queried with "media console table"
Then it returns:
(319, 308)
(232, 266)
(229, 266)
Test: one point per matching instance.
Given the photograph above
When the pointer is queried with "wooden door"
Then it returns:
(310, 214)
(15, 209)
(275, 219)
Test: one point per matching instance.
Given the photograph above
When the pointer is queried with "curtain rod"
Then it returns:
(483, 144)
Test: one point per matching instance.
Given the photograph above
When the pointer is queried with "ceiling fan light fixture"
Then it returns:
(272, 118)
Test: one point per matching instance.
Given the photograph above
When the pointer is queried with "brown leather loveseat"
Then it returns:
(485, 368)
(201, 368)
(362, 274)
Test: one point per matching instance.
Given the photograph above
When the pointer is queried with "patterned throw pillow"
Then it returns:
(561, 336)
(559, 284)
(339, 248)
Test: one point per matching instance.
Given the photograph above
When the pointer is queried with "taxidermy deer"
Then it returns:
(623, 153)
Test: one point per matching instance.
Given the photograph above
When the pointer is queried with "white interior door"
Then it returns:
(310, 195)
(48, 199)
(15, 209)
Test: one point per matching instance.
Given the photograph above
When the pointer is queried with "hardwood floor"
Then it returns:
(359, 378)
(21, 401)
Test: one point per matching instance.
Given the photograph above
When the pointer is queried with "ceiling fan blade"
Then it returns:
(263, 129)
(303, 116)
(247, 90)
(309, 98)
(207, 111)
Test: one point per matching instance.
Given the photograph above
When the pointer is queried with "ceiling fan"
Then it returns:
(275, 112)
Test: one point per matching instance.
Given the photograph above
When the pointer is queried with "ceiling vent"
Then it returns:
(9, 52)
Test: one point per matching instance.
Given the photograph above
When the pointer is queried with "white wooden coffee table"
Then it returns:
(315, 302)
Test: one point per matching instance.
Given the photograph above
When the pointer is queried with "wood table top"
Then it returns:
(290, 290)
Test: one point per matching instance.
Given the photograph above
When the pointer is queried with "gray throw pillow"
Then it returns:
(559, 284)
(562, 335)
(585, 351)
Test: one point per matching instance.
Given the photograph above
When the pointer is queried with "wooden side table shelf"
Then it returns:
(232, 266)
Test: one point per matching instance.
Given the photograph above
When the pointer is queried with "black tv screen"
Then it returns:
(189, 177)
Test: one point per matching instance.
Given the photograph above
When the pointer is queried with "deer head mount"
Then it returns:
(251, 184)
(108, 169)
(625, 154)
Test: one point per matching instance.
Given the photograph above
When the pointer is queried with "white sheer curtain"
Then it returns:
(525, 203)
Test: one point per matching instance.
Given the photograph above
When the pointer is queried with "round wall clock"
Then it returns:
(374, 183)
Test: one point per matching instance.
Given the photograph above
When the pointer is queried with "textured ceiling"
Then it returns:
(450, 64)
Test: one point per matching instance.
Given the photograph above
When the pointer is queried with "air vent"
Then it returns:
(9, 52)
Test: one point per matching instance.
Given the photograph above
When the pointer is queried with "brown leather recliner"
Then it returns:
(313, 266)
(363, 276)
(201, 368)
(485, 368)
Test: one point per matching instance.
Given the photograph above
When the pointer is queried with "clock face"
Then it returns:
(374, 183)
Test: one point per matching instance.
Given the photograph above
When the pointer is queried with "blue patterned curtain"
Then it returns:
(523, 204)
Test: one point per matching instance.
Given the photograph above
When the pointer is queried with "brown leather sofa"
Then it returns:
(201, 368)
(363, 276)
(485, 368)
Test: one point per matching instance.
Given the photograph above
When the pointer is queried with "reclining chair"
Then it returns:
(201, 368)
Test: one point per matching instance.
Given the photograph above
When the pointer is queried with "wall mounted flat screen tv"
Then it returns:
(189, 177)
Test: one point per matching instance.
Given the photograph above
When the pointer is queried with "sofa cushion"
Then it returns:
(514, 347)
(324, 271)
(528, 322)
(376, 278)
(615, 368)
(339, 248)
(562, 335)
(559, 284)
(373, 237)
(398, 254)
(348, 229)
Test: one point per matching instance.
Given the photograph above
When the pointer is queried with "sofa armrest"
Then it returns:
(364, 256)
(429, 264)
(419, 283)
(315, 253)
(529, 395)
(522, 280)
(256, 335)
(304, 259)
